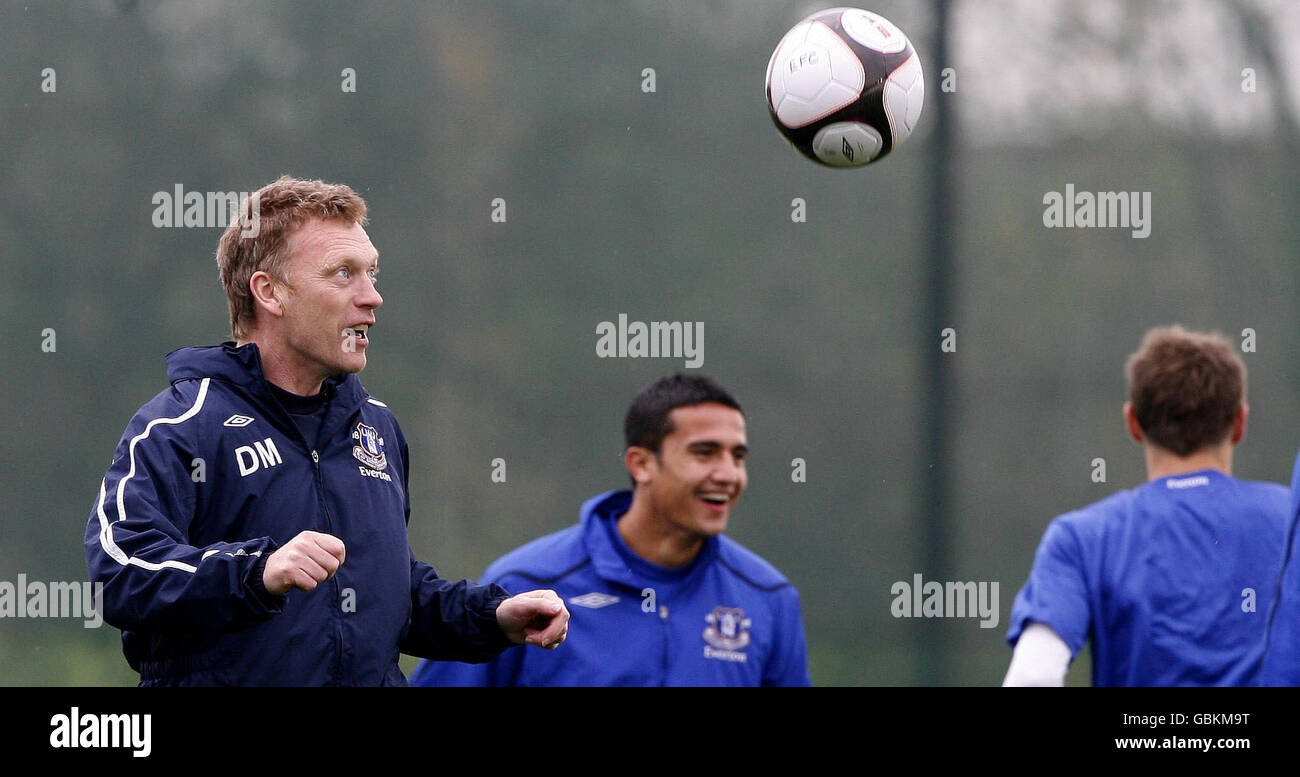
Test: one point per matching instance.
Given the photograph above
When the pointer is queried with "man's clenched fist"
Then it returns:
(304, 562)
(535, 618)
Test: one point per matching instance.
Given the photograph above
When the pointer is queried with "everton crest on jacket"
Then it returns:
(209, 479)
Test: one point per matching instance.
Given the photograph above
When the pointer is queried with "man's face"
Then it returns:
(700, 471)
(331, 298)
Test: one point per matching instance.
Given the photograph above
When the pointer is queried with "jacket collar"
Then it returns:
(597, 515)
(241, 366)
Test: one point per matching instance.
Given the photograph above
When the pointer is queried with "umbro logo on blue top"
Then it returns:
(593, 600)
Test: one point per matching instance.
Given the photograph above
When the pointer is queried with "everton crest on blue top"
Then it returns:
(728, 618)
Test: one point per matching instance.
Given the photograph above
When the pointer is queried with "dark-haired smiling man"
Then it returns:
(659, 595)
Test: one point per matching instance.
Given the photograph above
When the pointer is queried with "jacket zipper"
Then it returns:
(663, 633)
(329, 526)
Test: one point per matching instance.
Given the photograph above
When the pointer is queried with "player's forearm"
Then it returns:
(453, 621)
(166, 587)
(1041, 658)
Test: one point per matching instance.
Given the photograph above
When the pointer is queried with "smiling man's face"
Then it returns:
(699, 473)
(330, 300)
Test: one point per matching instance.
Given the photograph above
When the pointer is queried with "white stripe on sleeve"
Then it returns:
(106, 528)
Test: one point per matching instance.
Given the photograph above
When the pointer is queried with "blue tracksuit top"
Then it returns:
(209, 479)
(1281, 664)
(729, 618)
(1171, 581)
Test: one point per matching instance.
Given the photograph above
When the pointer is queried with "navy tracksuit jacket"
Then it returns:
(209, 479)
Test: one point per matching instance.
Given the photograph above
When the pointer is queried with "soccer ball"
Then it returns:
(844, 86)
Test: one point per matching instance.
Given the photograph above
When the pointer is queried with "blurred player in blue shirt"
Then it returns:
(1282, 646)
(1172, 581)
(659, 595)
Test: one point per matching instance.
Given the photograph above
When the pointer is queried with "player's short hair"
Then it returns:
(1185, 388)
(647, 422)
(282, 205)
